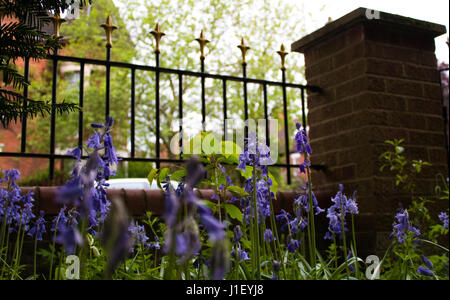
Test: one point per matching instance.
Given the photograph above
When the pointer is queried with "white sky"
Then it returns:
(435, 11)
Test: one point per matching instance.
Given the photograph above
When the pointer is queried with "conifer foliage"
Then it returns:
(22, 37)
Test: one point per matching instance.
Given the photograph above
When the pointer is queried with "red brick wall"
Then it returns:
(379, 82)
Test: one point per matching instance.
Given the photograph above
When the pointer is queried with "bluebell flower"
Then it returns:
(94, 141)
(60, 221)
(242, 255)
(268, 236)
(237, 234)
(138, 233)
(97, 125)
(39, 227)
(338, 211)
(403, 227)
(276, 266)
(425, 272)
(443, 217)
(427, 262)
(70, 237)
(214, 227)
(292, 246)
(76, 153)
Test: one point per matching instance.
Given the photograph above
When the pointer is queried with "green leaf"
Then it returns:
(233, 211)
(151, 175)
(162, 176)
(178, 175)
(234, 189)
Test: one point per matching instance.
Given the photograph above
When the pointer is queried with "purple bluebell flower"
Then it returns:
(443, 217)
(237, 234)
(276, 266)
(155, 244)
(403, 227)
(70, 237)
(214, 227)
(285, 219)
(338, 211)
(94, 141)
(76, 153)
(268, 236)
(60, 221)
(292, 246)
(424, 271)
(138, 233)
(427, 262)
(242, 255)
(39, 227)
(97, 125)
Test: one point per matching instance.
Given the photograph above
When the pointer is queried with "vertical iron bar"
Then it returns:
(244, 75)
(266, 114)
(81, 103)
(303, 108)
(224, 95)
(180, 111)
(157, 108)
(286, 127)
(133, 117)
(23, 142)
(53, 117)
(202, 63)
(108, 75)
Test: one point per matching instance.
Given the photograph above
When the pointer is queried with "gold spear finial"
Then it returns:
(109, 27)
(202, 41)
(57, 21)
(282, 54)
(158, 34)
(244, 48)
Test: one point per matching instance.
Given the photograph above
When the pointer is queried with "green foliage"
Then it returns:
(402, 259)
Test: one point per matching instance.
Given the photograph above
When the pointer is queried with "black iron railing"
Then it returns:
(108, 64)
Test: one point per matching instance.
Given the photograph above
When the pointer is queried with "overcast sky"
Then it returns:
(436, 11)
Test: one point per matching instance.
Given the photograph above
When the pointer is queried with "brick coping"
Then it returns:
(139, 202)
(359, 16)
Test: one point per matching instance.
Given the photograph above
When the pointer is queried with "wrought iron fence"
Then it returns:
(158, 34)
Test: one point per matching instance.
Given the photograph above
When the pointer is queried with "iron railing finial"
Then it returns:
(244, 48)
(57, 21)
(158, 34)
(109, 27)
(282, 53)
(202, 41)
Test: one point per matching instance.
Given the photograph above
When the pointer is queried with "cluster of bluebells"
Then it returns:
(403, 227)
(443, 217)
(241, 254)
(301, 141)
(302, 207)
(338, 211)
(86, 188)
(182, 234)
(428, 270)
(257, 155)
(290, 224)
(65, 229)
(16, 210)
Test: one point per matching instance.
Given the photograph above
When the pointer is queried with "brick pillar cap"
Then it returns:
(360, 16)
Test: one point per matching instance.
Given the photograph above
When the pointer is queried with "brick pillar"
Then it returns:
(379, 82)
